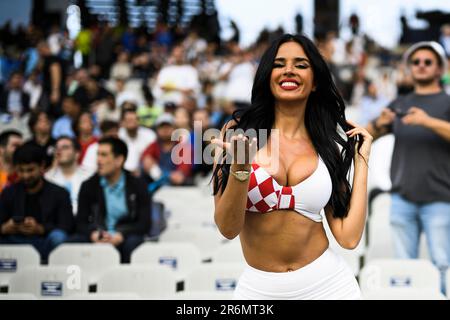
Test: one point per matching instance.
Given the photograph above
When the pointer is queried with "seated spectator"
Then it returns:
(136, 137)
(71, 110)
(122, 67)
(201, 119)
(157, 158)
(108, 129)
(67, 173)
(40, 126)
(113, 205)
(108, 110)
(10, 140)
(33, 210)
(14, 100)
(83, 127)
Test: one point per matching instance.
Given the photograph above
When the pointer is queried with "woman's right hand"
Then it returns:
(242, 151)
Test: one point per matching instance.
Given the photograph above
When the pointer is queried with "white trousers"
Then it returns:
(326, 278)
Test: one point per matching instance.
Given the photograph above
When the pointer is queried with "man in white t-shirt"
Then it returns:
(136, 137)
(109, 129)
(176, 79)
(67, 173)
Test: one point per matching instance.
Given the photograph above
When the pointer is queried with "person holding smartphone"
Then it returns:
(420, 170)
(33, 210)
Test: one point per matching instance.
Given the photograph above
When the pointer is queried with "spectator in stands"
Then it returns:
(67, 173)
(201, 116)
(108, 129)
(420, 170)
(122, 67)
(53, 80)
(63, 126)
(113, 205)
(83, 127)
(10, 140)
(371, 103)
(108, 110)
(34, 211)
(176, 79)
(40, 126)
(14, 100)
(136, 137)
(157, 159)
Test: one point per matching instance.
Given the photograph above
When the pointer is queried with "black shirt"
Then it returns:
(33, 206)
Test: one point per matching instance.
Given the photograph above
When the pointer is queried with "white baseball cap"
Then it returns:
(433, 45)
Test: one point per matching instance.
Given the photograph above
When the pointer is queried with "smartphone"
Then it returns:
(18, 219)
(399, 113)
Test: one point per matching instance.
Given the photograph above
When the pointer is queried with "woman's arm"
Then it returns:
(348, 231)
(229, 213)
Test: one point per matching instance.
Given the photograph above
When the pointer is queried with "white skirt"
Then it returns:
(326, 278)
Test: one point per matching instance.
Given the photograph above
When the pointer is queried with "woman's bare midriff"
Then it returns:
(282, 240)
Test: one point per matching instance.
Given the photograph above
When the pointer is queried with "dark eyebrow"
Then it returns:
(298, 59)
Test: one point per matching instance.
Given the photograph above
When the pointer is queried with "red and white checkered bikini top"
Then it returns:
(308, 197)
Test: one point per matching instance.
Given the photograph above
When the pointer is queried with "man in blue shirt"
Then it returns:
(113, 205)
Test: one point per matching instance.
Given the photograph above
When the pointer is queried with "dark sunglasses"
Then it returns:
(427, 62)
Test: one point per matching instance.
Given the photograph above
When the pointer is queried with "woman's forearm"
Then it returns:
(229, 213)
(353, 224)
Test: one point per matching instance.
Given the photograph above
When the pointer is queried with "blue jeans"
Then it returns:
(409, 219)
(44, 245)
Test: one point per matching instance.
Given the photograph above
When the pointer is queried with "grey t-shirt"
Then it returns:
(420, 169)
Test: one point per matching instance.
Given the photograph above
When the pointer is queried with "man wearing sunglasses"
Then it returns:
(420, 167)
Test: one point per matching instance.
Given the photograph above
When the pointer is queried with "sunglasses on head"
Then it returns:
(427, 62)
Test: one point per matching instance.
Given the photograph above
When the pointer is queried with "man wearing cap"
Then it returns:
(420, 168)
(166, 160)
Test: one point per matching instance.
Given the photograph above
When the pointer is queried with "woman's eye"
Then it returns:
(302, 66)
(277, 65)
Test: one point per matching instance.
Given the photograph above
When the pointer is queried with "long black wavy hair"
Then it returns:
(324, 114)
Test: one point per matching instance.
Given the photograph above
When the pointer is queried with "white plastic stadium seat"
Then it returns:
(105, 296)
(91, 258)
(18, 296)
(49, 282)
(205, 238)
(229, 252)
(403, 294)
(15, 257)
(202, 295)
(181, 257)
(149, 282)
(214, 277)
(399, 273)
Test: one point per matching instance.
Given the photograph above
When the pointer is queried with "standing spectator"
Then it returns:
(420, 170)
(14, 100)
(83, 127)
(53, 77)
(33, 210)
(136, 137)
(67, 173)
(113, 205)
(10, 140)
(40, 126)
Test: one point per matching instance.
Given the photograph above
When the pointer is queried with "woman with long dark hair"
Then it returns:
(272, 197)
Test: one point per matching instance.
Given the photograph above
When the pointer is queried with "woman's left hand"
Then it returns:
(366, 140)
